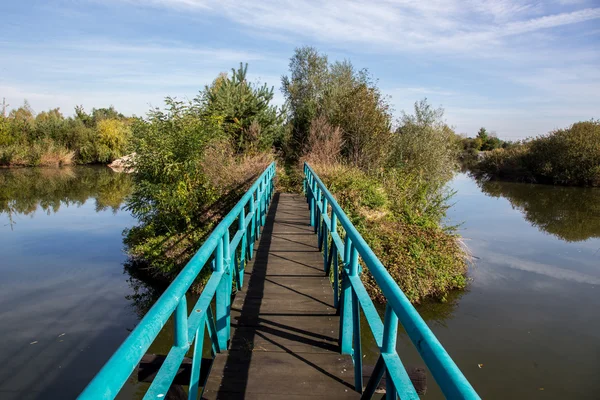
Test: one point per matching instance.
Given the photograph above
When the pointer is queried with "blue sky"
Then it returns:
(519, 68)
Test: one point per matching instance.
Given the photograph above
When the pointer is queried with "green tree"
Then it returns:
(243, 109)
(425, 145)
(304, 90)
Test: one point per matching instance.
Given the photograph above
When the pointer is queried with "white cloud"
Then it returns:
(451, 25)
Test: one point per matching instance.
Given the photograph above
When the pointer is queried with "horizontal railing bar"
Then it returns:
(113, 375)
(447, 374)
(397, 373)
(339, 243)
(163, 379)
(234, 243)
(203, 303)
(369, 310)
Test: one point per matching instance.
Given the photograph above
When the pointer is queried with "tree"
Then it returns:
(425, 145)
(482, 134)
(354, 103)
(243, 109)
(303, 90)
(347, 98)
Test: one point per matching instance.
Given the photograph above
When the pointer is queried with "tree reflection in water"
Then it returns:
(570, 213)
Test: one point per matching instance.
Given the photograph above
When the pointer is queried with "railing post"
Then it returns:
(324, 242)
(263, 213)
(304, 182)
(257, 215)
(242, 265)
(390, 332)
(197, 361)
(228, 277)
(181, 323)
(251, 227)
(317, 214)
(312, 203)
(222, 301)
(346, 323)
(334, 256)
(357, 350)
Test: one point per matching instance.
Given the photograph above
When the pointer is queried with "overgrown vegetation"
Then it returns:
(194, 159)
(193, 162)
(50, 139)
(390, 181)
(568, 156)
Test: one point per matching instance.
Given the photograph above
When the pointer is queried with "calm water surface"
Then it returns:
(528, 327)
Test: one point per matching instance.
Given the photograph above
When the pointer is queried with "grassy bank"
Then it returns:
(402, 228)
(568, 156)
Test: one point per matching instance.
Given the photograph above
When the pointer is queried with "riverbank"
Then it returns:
(30, 139)
(569, 157)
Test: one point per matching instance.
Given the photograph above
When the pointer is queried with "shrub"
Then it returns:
(324, 143)
(348, 99)
(568, 156)
(423, 258)
(243, 110)
(189, 173)
(113, 138)
(424, 145)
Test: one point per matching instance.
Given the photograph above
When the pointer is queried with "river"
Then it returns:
(527, 327)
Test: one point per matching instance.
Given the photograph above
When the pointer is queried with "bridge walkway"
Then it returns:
(284, 340)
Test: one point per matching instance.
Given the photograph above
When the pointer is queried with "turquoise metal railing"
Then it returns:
(227, 258)
(352, 297)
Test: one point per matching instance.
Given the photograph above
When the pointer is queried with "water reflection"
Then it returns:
(570, 213)
(23, 190)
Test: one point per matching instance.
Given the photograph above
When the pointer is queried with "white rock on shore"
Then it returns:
(123, 164)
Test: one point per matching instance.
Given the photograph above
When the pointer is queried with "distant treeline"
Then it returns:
(50, 139)
(568, 156)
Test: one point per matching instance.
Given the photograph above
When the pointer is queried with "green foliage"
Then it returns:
(390, 183)
(244, 111)
(568, 156)
(48, 138)
(402, 229)
(304, 90)
(112, 140)
(424, 145)
(348, 99)
(193, 161)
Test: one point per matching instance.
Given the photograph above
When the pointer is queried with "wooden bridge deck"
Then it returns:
(284, 325)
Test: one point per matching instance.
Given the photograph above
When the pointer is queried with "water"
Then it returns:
(63, 304)
(529, 324)
(527, 327)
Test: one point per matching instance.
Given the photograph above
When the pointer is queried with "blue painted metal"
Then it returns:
(218, 252)
(452, 382)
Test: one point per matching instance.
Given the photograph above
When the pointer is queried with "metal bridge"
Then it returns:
(292, 328)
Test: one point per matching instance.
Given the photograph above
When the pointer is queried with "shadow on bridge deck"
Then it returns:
(284, 325)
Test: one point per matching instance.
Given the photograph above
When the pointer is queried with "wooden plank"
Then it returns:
(284, 325)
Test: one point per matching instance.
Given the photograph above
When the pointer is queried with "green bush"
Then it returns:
(48, 138)
(193, 161)
(404, 232)
(568, 156)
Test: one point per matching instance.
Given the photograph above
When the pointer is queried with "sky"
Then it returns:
(518, 68)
